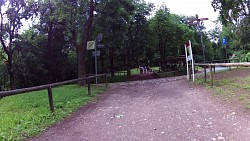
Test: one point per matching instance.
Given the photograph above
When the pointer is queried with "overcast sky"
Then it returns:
(189, 8)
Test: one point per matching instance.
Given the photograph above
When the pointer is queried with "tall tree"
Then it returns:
(138, 35)
(10, 24)
(74, 18)
(82, 51)
(113, 17)
(243, 34)
(231, 10)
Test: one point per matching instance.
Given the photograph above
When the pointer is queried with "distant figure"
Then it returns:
(141, 69)
(144, 69)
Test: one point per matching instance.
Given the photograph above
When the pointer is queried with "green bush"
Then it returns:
(244, 56)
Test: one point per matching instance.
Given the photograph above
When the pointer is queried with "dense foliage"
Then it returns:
(53, 47)
(234, 15)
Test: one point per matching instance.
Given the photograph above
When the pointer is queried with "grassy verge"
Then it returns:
(230, 87)
(26, 115)
(134, 71)
(121, 78)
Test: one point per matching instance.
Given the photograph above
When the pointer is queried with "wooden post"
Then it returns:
(50, 99)
(89, 90)
(205, 74)
(189, 74)
(214, 68)
(106, 79)
(211, 75)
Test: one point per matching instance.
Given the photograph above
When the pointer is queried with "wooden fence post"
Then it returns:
(89, 90)
(211, 75)
(50, 99)
(205, 73)
(106, 80)
(189, 73)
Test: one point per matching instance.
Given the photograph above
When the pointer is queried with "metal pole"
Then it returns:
(96, 64)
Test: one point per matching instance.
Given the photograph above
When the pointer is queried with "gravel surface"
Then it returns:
(158, 110)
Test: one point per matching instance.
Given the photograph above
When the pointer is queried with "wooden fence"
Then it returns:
(50, 86)
(213, 65)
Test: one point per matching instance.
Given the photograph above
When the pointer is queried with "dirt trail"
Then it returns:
(157, 110)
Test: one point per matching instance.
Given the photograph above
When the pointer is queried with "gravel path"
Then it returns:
(157, 110)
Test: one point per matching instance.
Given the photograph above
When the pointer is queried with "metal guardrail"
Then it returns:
(50, 86)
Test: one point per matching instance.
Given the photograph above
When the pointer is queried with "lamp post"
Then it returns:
(199, 28)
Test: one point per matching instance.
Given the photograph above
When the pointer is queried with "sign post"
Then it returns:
(224, 43)
(189, 57)
(93, 45)
(98, 39)
(90, 45)
(198, 21)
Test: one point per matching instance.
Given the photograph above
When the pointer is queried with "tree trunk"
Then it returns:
(81, 63)
(81, 54)
(111, 61)
(129, 59)
(10, 70)
(49, 53)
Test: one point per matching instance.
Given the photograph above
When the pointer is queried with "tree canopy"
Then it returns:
(234, 15)
(54, 47)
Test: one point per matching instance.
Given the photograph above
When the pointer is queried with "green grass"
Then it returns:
(121, 78)
(233, 89)
(170, 74)
(134, 71)
(155, 68)
(242, 97)
(199, 68)
(26, 115)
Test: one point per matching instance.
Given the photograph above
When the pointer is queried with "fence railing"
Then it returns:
(213, 65)
(50, 86)
(231, 60)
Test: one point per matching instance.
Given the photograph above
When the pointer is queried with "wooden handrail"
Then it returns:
(50, 86)
(224, 64)
(213, 65)
(36, 88)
